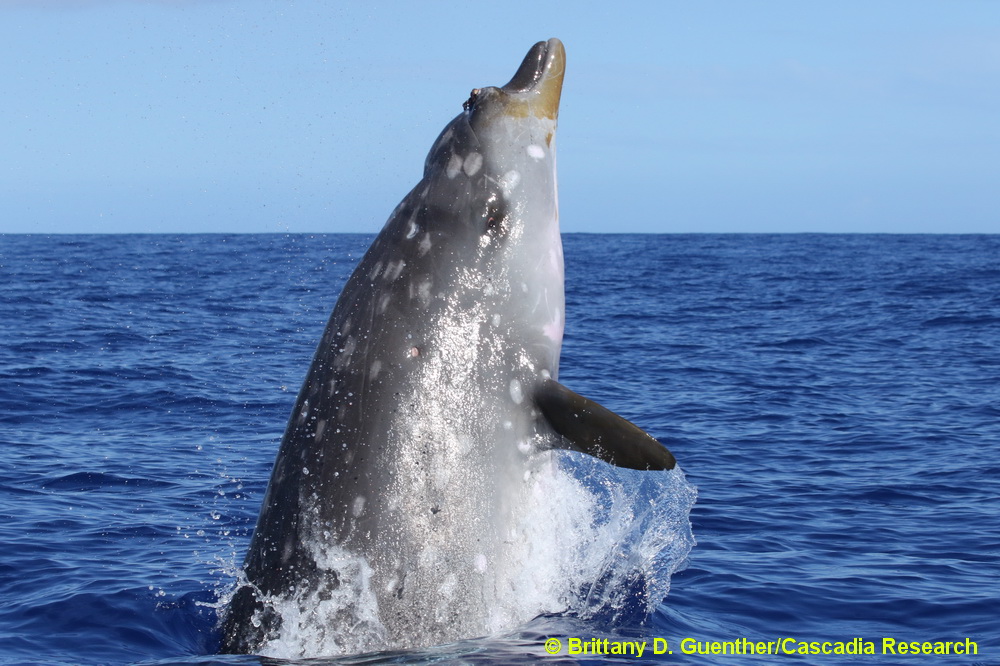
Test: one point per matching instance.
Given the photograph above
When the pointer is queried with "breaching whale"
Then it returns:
(433, 387)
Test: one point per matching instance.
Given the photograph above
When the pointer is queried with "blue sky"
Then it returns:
(312, 116)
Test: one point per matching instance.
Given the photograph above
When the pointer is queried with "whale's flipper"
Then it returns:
(589, 428)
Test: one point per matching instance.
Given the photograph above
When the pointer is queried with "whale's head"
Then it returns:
(487, 207)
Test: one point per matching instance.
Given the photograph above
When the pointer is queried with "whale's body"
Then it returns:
(403, 466)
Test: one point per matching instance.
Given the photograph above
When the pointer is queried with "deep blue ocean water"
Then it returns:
(835, 399)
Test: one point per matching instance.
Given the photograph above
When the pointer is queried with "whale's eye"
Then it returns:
(495, 218)
(473, 96)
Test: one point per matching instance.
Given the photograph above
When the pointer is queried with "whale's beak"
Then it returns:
(533, 92)
(538, 81)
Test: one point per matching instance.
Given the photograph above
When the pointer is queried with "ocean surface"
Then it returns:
(834, 399)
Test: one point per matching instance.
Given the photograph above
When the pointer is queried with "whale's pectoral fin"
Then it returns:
(588, 427)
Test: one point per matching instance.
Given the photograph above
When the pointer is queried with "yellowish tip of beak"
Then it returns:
(549, 89)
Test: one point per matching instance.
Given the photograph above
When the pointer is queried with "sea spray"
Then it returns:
(583, 538)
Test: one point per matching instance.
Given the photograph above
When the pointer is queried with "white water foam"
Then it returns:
(585, 538)
(596, 540)
(333, 620)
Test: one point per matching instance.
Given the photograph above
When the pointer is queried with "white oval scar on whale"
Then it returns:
(509, 181)
(358, 507)
(394, 269)
(536, 151)
(425, 244)
(454, 166)
(516, 394)
(473, 162)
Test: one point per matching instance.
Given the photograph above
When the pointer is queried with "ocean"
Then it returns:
(835, 400)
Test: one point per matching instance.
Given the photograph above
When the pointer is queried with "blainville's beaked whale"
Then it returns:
(433, 388)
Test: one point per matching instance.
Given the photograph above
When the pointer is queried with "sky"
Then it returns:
(177, 116)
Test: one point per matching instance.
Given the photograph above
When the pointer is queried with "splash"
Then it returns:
(583, 538)
(602, 542)
(332, 619)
